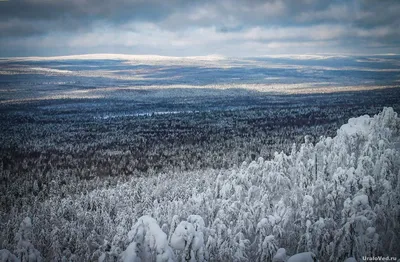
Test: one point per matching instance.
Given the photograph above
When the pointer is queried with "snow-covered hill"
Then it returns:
(338, 198)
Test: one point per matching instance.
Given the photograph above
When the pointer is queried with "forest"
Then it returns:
(335, 197)
(267, 159)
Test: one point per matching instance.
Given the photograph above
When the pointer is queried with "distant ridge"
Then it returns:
(117, 57)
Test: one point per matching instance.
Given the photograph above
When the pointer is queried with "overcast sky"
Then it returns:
(185, 28)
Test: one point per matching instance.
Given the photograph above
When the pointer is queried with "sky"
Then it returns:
(193, 28)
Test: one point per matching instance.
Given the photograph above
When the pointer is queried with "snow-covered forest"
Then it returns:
(333, 197)
(137, 158)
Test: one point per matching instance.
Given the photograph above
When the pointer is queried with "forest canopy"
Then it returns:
(329, 200)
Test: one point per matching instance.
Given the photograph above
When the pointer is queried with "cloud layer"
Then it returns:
(181, 28)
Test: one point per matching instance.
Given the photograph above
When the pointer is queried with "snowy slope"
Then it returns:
(338, 198)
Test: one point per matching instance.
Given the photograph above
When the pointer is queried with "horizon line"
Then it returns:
(166, 57)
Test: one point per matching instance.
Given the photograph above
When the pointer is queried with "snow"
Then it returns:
(152, 228)
(264, 222)
(360, 200)
(350, 259)
(122, 115)
(280, 255)
(370, 232)
(268, 247)
(303, 257)
(365, 126)
(131, 253)
(146, 241)
(368, 182)
(197, 221)
(51, 70)
(27, 223)
(272, 219)
(360, 125)
(269, 238)
(198, 241)
(306, 56)
(189, 236)
(119, 57)
(7, 256)
(25, 250)
(147, 234)
(308, 200)
(183, 234)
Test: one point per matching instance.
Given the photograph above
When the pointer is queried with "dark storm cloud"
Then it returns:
(82, 9)
(77, 14)
(346, 23)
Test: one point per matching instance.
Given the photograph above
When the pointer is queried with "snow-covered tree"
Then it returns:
(25, 251)
(147, 243)
(7, 256)
(280, 255)
(189, 237)
(303, 257)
